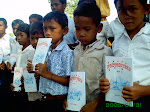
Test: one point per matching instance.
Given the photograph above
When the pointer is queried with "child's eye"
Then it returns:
(87, 29)
(52, 28)
(132, 9)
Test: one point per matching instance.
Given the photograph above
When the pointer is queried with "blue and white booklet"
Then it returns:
(41, 51)
(119, 72)
(1, 56)
(12, 59)
(29, 82)
(18, 72)
(76, 98)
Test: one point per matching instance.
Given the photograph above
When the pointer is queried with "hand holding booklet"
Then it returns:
(119, 72)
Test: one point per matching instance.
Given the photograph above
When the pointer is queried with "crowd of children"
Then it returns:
(87, 34)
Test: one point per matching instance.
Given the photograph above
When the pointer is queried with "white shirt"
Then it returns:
(139, 50)
(70, 37)
(24, 56)
(5, 46)
(115, 28)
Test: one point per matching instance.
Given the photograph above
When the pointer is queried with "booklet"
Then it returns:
(12, 59)
(1, 58)
(119, 72)
(41, 51)
(76, 98)
(17, 78)
(29, 81)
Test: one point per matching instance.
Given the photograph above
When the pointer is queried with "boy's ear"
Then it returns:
(100, 27)
(66, 29)
(64, 6)
(147, 8)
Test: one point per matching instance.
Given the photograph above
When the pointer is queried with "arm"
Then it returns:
(135, 92)
(91, 106)
(42, 70)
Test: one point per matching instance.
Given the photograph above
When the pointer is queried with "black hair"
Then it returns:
(36, 28)
(24, 28)
(58, 16)
(89, 10)
(39, 17)
(86, 1)
(143, 2)
(63, 1)
(17, 21)
(4, 20)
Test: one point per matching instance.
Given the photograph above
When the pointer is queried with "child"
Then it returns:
(5, 79)
(35, 17)
(25, 53)
(36, 32)
(133, 42)
(59, 63)
(90, 52)
(15, 46)
(69, 38)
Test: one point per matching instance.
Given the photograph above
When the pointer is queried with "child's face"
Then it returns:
(86, 29)
(131, 14)
(34, 39)
(23, 39)
(56, 5)
(53, 30)
(2, 28)
(15, 29)
(32, 20)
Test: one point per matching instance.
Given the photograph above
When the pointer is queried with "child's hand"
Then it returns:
(104, 85)
(30, 66)
(2, 66)
(132, 93)
(42, 69)
(9, 66)
(65, 105)
(12, 86)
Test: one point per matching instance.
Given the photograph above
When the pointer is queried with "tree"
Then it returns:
(71, 5)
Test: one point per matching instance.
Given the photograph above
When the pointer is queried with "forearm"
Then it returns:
(145, 90)
(59, 79)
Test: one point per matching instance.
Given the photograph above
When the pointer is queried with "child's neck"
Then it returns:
(25, 46)
(54, 45)
(133, 32)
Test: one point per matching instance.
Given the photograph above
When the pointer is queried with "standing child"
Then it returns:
(59, 63)
(60, 5)
(90, 52)
(133, 42)
(36, 32)
(25, 53)
(35, 17)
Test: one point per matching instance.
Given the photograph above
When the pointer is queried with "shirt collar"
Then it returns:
(26, 49)
(59, 47)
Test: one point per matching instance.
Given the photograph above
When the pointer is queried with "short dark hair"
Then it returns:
(58, 16)
(89, 10)
(143, 2)
(24, 28)
(17, 21)
(39, 17)
(4, 20)
(63, 1)
(88, 1)
(36, 28)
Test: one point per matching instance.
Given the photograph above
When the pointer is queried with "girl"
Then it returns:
(133, 42)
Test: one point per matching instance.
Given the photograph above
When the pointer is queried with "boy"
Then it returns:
(69, 38)
(59, 63)
(90, 52)
(5, 79)
(35, 17)
(15, 25)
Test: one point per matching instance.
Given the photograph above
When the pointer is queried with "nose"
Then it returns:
(81, 33)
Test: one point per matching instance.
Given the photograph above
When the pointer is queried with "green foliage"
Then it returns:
(71, 5)
(11, 34)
